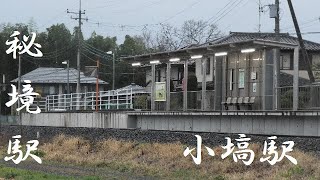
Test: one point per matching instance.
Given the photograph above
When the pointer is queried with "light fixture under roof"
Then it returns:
(196, 57)
(136, 64)
(248, 50)
(174, 59)
(221, 54)
(155, 62)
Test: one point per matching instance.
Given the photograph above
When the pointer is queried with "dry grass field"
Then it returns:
(166, 161)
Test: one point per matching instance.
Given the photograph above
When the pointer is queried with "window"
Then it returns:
(52, 90)
(158, 75)
(46, 90)
(284, 63)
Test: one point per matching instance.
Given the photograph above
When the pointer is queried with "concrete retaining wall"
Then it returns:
(274, 123)
(289, 125)
(116, 120)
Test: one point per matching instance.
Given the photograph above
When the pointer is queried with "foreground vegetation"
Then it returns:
(166, 161)
(13, 173)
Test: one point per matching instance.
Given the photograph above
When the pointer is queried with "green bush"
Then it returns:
(140, 102)
(10, 175)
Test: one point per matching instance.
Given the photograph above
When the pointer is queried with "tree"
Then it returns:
(133, 46)
(95, 48)
(56, 46)
(172, 38)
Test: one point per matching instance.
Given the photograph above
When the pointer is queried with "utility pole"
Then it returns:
(277, 20)
(79, 18)
(260, 11)
(19, 83)
(97, 86)
(113, 68)
(301, 43)
(275, 13)
(113, 71)
(2, 88)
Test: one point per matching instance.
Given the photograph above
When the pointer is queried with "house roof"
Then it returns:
(57, 76)
(235, 37)
(136, 89)
(286, 79)
(127, 90)
(217, 45)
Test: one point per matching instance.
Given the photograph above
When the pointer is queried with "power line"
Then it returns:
(225, 13)
(313, 22)
(94, 50)
(107, 5)
(182, 11)
(138, 9)
(94, 60)
(217, 14)
(305, 33)
(53, 55)
(93, 53)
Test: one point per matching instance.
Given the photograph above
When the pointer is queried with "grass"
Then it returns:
(17, 174)
(166, 161)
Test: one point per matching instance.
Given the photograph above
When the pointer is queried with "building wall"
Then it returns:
(54, 89)
(243, 76)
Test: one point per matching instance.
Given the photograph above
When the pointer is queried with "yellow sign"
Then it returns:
(161, 91)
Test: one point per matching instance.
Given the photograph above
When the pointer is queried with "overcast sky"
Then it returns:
(121, 17)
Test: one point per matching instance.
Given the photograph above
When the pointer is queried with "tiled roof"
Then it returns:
(136, 89)
(235, 37)
(287, 80)
(57, 76)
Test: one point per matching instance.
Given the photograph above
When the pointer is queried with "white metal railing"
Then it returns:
(105, 100)
(125, 99)
(308, 97)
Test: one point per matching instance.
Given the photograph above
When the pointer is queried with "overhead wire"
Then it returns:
(138, 9)
(180, 12)
(227, 11)
(94, 60)
(94, 51)
(313, 21)
(225, 7)
(53, 55)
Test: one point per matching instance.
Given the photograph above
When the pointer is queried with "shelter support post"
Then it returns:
(296, 79)
(218, 82)
(204, 85)
(267, 80)
(276, 78)
(153, 85)
(168, 88)
(185, 86)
